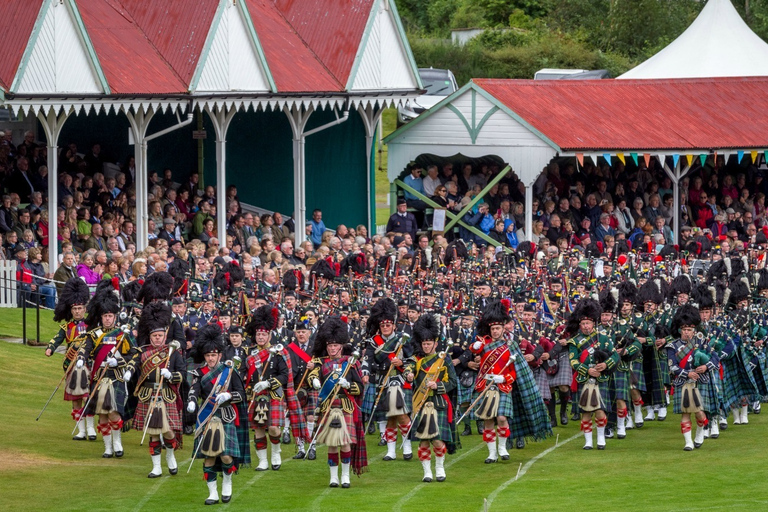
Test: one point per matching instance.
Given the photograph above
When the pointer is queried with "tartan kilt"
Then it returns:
(736, 383)
(654, 377)
(443, 426)
(564, 375)
(349, 420)
(231, 442)
(142, 411)
(463, 394)
(381, 414)
(369, 397)
(119, 397)
(620, 382)
(709, 399)
(605, 394)
(505, 403)
(636, 367)
(542, 382)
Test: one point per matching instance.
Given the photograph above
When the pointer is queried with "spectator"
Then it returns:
(431, 182)
(604, 228)
(65, 271)
(414, 181)
(318, 228)
(402, 221)
(40, 282)
(88, 270)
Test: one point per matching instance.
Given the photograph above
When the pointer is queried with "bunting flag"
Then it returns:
(607, 157)
(739, 155)
(546, 315)
(703, 159)
(675, 159)
(753, 154)
(580, 158)
(690, 159)
(634, 158)
(647, 158)
(620, 156)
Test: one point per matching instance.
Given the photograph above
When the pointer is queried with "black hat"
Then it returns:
(425, 328)
(704, 296)
(456, 250)
(179, 269)
(401, 200)
(178, 300)
(332, 330)
(207, 341)
(74, 293)
(155, 316)
(680, 284)
(301, 323)
(157, 286)
(627, 293)
(384, 309)
(131, 292)
(414, 307)
(236, 329)
(104, 301)
(736, 292)
(322, 268)
(609, 300)
(685, 316)
(263, 319)
(761, 279)
(650, 291)
(495, 313)
(225, 279)
(225, 312)
(587, 309)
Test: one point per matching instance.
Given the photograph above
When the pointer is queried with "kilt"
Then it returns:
(620, 384)
(276, 415)
(709, 400)
(119, 397)
(70, 397)
(142, 411)
(443, 425)
(349, 420)
(605, 394)
(369, 397)
(463, 394)
(564, 374)
(542, 382)
(505, 403)
(381, 414)
(637, 370)
(736, 383)
(231, 442)
(654, 376)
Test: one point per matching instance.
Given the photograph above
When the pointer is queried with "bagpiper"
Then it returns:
(268, 375)
(161, 370)
(340, 389)
(109, 349)
(693, 369)
(302, 363)
(71, 310)
(221, 433)
(433, 380)
(593, 358)
(384, 364)
(494, 379)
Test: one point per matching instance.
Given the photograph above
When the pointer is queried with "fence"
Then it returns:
(13, 296)
(8, 288)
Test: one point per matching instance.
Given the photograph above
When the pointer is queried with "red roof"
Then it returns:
(177, 29)
(16, 22)
(333, 29)
(640, 114)
(130, 63)
(294, 67)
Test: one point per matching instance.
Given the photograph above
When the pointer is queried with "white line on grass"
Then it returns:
(156, 488)
(525, 469)
(402, 501)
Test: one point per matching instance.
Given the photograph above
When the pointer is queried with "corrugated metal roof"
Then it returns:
(294, 67)
(640, 114)
(333, 29)
(16, 22)
(130, 63)
(176, 28)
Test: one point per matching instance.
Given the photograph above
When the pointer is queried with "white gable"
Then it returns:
(58, 61)
(382, 61)
(232, 63)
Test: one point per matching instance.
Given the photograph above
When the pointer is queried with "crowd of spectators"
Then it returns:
(574, 208)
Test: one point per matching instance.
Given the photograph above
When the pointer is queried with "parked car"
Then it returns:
(438, 83)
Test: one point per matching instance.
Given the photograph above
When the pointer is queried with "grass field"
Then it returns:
(42, 469)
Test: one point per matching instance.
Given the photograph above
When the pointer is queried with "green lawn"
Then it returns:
(11, 321)
(42, 469)
(389, 123)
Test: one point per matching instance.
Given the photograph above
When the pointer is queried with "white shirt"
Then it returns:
(430, 185)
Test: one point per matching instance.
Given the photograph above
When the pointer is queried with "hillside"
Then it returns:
(527, 35)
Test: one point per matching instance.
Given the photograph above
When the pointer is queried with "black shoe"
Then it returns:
(382, 442)
(334, 485)
(152, 475)
(299, 455)
(490, 460)
(587, 448)
(372, 428)
(226, 499)
(688, 449)
(91, 438)
(311, 453)
(480, 426)
(173, 471)
(118, 454)
(609, 433)
(189, 430)
(345, 486)
(576, 416)
(639, 425)
(407, 456)
(564, 419)
(505, 457)
(211, 502)
(426, 479)
(552, 415)
(286, 438)
(697, 445)
(107, 456)
(520, 443)
(275, 467)
(620, 436)
(440, 479)
(724, 426)
(601, 447)
(387, 458)
(467, 430)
